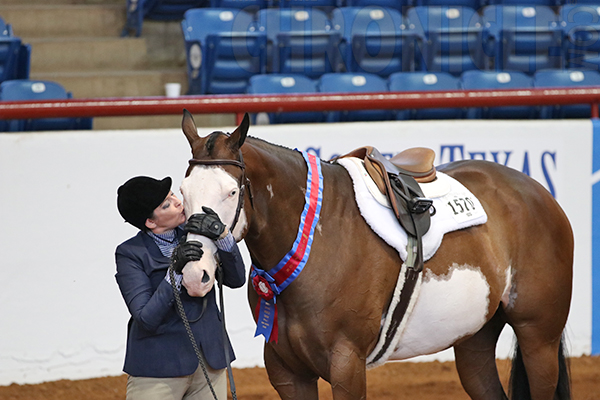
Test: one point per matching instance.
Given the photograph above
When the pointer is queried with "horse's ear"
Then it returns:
(189, 127)
(237, 138)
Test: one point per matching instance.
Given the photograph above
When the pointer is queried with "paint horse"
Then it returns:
(514, 269)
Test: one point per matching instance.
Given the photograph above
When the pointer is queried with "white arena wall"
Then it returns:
(62, 315)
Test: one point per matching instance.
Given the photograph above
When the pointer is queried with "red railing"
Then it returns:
(239, 104)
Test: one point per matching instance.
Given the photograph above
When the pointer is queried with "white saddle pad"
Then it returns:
(455, 208)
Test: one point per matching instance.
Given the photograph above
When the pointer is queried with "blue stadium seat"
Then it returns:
(424, 82)
(548, 3)
(354, 83)
(324, 4)
(246, 5)
(522, 38)
(300, 41)
(286, 84)
(5, 29)
(474, 4)
(374, 40)
(223, 50)
(581, 29)
(24, 89)
(15, 56)
(397, 4)
(450, 38)
(161, 10)
(476, 80)
(568, 79)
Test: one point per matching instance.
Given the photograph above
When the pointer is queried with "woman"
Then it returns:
(160, 359)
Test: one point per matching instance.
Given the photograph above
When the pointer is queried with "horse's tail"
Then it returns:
(519, 384)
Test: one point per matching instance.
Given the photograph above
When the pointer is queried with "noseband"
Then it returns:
(242, 187)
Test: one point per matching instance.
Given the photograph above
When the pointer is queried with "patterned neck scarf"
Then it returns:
(166, 241)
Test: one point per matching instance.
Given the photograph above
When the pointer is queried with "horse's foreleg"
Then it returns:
(348, 375)
(476, 362)
(289, 384)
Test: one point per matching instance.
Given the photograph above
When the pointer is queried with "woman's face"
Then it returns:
(168, 215)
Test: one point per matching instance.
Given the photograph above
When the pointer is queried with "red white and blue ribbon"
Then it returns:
(270, 284)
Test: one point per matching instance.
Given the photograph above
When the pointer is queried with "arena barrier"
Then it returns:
(63, 316)
(239, 104)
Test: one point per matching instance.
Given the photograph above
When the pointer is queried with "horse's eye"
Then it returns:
(233, 192)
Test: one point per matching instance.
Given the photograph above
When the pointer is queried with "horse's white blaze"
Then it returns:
(448, 307)
(194, 271)
(209, 187)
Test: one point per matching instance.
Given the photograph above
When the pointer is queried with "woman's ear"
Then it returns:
(150, 224)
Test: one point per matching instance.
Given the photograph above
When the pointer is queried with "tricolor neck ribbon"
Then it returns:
(270, 284)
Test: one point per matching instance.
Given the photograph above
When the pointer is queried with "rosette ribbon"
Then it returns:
(268, 285)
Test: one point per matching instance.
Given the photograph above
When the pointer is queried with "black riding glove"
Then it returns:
(208, 225)
(184, 253)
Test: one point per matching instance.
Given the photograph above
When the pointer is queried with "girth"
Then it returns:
(398, 180)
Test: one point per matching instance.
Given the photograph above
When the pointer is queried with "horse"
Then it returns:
(515, 269)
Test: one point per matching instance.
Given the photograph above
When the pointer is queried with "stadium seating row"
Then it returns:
(225, 47)
(138, 10)
(25, 89)
(424, 81)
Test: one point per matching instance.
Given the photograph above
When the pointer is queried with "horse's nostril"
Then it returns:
(205, 277)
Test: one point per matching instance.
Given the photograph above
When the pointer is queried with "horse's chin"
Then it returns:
(198, 279)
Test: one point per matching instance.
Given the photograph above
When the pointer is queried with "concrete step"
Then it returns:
(88, 54)
(116, 83)
(59, 20)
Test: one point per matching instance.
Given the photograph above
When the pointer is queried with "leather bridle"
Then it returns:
(242, 184)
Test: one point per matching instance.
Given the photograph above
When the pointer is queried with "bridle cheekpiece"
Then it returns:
(242, 184)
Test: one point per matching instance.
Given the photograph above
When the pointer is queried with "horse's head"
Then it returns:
(216, 178)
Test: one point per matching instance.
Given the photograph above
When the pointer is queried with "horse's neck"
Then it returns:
(278, 181)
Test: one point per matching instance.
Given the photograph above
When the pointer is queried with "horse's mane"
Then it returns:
(263, 144)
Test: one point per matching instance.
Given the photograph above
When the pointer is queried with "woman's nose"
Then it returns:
(176, 201)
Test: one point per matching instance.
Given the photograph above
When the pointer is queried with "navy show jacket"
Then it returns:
(157, 342)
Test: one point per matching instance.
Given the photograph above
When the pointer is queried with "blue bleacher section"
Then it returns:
(359, 46)
(425, 82)
(224, 50)
(286, 84)
(25, 89)
(354, 83)
(385, 38)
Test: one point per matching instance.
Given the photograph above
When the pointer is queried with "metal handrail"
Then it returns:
(239, 104)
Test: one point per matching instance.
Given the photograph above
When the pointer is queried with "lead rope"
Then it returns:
(225, 338)
(186, 323)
